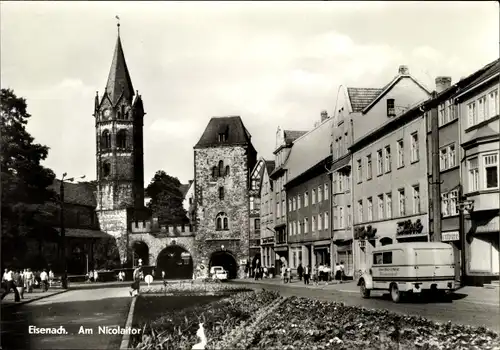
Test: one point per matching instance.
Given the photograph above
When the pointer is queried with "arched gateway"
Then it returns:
(226, 260)
(176, 261)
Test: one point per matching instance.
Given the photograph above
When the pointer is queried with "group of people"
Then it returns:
(318, 273)
(19, 281)
(92, 276)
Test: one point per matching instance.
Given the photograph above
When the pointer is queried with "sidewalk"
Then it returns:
(29, 297)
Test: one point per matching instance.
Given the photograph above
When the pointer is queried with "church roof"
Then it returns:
(119, 78)
(232, 127)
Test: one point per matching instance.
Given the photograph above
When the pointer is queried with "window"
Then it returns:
(121, 139)
(443, 158)
(296, 227)
(450, 110)
(472, 113)
(369, 167)
(221, 196)
(327, 221)
(215, 172)
(283, 208)
(105, 140)
(388, 205)
(291, 231)
(347, 182)
(387, 258)
(313, 229)
(451, 156)
(380, 212)
(227, 170)
(387, 164)
(453, 198)
(222, 137)
(391, 111)
(341, 183)
(335, 182)
(327, 193)
(491, 170)
(401, 195)
(340, 146)
(335, 217)
(254, 184)
(401, 154)
(360, 210)
(320, 222)
(313, 199)
(278, 210)
(221, 222)
(306, 199)
(445, 205)
(349, 216)
(221, 168)
(306, 225)
(294, 203)
(442, 114)
(369, 209)
(414, 147)
(380, 162)
(257, 224)
(481, 109)
(359, 169)
(290, 207)
(346, 143)
(416, 199)
(493, 104)
(473, 166)
(106, 169)
(377, 259)
(299, 201)
(320, 194)
(341, 217)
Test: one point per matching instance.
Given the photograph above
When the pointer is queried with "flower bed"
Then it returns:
(188, 288)
(305, 323)
(176, 329)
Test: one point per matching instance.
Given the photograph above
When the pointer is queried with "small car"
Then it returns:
(218, 272)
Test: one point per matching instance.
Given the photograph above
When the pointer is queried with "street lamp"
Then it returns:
(464, 205)
(64, 279)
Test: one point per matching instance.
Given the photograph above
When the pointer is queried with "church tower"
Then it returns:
(119, 116)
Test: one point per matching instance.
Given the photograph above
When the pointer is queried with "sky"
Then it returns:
(272, 63)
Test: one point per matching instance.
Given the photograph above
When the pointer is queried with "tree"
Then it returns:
(24, 180)
(166, 199)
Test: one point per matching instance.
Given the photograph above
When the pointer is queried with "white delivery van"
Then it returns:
(409, 267)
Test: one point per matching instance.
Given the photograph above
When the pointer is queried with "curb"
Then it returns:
(128, 325)
(34, 299)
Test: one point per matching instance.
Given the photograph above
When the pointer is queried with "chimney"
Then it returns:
(403, 70)
(324, 116)
(442, 83)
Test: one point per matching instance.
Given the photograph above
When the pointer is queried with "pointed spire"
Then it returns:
(119, 81)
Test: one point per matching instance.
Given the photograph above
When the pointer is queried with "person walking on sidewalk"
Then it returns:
(307, 274)
(28, 280)
(342, 271)
(44, 280)
(51, 277)
(300, 271)
(137, 281)
(9, 284)
(19, 282)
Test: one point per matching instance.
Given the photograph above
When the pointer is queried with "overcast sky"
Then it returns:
(274, 64)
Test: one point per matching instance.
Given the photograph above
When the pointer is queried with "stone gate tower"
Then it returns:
(119, 141)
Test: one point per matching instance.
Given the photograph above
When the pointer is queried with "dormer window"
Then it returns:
(391, 111)
(222, 137)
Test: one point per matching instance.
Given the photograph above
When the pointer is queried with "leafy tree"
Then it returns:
(166, 199)
(24, 181)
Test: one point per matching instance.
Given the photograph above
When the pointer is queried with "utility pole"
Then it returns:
(436, 176)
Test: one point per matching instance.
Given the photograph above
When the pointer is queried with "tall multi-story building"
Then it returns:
(254, 196)
(389, 183)
(223, 160)
(308, 197)
(266, 216)
(478, 106)
(444, 154)
(284, 143)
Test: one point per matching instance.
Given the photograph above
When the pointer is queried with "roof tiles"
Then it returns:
(361, 97)
(232, 127)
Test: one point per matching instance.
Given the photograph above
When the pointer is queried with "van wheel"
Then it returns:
(395, 293)
(365, 293)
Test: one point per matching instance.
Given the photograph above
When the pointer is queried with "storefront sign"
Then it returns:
(450, 236)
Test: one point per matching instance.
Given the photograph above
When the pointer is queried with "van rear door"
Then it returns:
(434, 263)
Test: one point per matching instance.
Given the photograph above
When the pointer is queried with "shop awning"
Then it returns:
(325, 243)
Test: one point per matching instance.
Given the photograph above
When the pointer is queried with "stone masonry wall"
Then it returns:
(156, 244)
(114, 222)
(235, 203)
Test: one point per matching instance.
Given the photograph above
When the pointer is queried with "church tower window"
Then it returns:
(105, 140)
(106, 169)
(221, 222)
(227, 170)
(121, 139)
(221, 193)
(221, 168)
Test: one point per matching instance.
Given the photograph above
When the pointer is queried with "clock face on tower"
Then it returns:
(105, 114)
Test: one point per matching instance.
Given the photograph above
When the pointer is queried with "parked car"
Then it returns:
(218, 272)
(409, 268)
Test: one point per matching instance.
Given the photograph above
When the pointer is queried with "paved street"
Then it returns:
(88, 308)
(459, 308)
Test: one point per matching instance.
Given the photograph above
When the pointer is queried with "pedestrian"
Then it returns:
(9, 285)
(314, 273)
(162, 275)
(96, 276)
(44, 280)
(338, 272)
(137, 281)
(342, 271)
(51, 277)
(307, 272)
(90, 276)
(29, 280)
(4, 278)
(19, 282)
(300, 271)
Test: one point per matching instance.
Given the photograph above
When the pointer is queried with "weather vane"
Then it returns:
(118, 23)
